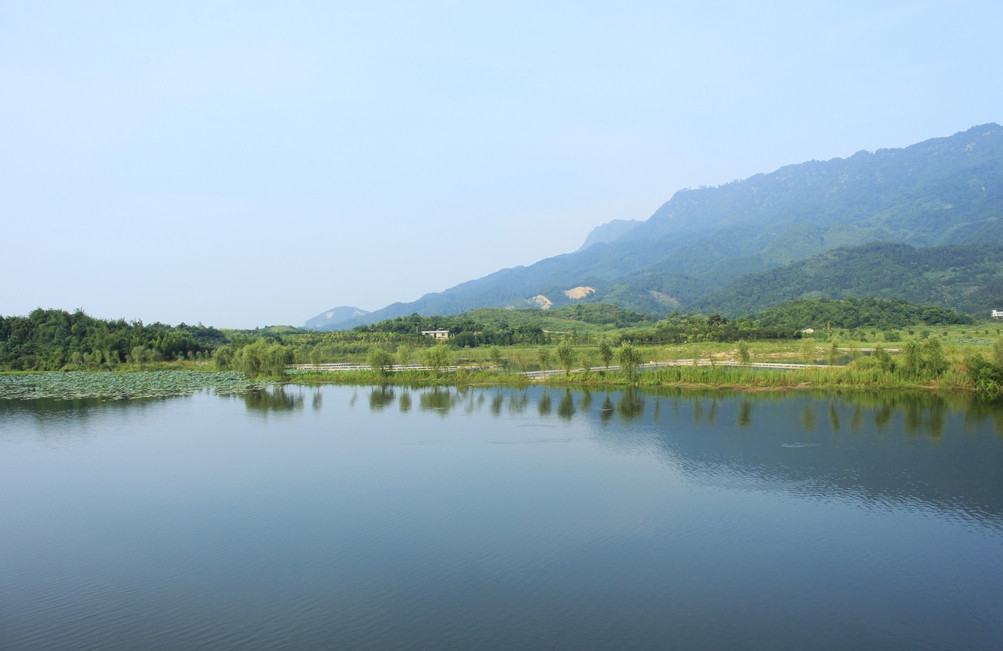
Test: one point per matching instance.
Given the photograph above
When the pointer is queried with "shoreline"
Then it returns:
(722, 378)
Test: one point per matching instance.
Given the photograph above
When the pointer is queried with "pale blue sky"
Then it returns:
(247, 163)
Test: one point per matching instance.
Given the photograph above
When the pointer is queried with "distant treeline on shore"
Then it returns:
(587, 334)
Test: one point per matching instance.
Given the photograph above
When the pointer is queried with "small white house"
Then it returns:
(998, 314)
(438, 334)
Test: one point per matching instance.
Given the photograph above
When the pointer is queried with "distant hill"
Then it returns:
(330, 319)
(941, 192)
(968, 278)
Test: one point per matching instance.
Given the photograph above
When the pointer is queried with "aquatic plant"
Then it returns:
(121, 386)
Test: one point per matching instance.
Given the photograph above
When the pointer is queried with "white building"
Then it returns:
(998, 314)
(438, 334)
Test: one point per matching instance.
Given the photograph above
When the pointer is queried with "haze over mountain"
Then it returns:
(334, 316)
(943, 191)
(610, 232)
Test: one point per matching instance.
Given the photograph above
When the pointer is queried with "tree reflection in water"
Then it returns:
(437, 399)
(544, 406)
(497, 401)
(631, 405)
(566, 408)
(745, 413)
(979, 411)
(276, 399)
(517, 403)
(606, 411)
(381, 397)
(808, 417)
(883, 416)
(921, 414)
(857, 421)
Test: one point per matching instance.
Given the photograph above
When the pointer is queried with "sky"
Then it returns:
(243, 164)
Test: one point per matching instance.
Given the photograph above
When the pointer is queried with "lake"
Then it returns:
(387, 518)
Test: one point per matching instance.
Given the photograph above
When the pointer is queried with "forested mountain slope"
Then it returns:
(968, 278)
(944, 191)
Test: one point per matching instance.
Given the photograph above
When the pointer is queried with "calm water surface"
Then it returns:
(367, 518)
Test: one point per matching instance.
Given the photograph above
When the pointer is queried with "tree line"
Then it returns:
(50, 340)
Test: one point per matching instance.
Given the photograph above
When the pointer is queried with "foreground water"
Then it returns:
(368, 518)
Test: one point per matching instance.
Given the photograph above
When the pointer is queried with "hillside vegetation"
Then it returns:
(939, 193)
(968, 278)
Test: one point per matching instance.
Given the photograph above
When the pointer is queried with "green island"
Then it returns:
(864, 344)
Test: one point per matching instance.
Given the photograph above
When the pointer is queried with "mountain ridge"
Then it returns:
(942, 191)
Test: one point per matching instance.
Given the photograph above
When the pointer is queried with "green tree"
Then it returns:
(380, 361)
(262, 358)
(496, 355)
(566, 356)
(913, 358)
(630, 359)
(936, 362)
(438, 357)
(404, 354)
(605, 352)
(987, 377)
(742, 353)
(543, 354)
(885, 361)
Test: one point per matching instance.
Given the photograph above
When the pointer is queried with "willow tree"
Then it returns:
(605, 352)
(438, 357)
(403, 354)
(566, 357)
(257, 359)
(543, 354)
(630, 359)
(380, 361)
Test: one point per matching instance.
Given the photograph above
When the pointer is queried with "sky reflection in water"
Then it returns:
(386, 517)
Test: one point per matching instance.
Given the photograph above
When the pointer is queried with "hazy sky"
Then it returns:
(247, 163)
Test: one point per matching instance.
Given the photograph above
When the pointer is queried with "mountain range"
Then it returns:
(705, 248)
